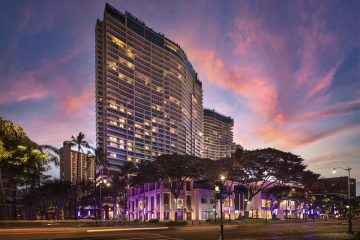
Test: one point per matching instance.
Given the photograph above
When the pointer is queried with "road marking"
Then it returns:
(125, 229)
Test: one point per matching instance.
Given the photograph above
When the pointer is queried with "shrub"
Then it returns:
(153, 220)
(208, 220)
(136, 220)
(176, 223)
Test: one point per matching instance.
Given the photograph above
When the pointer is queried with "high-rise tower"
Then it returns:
(218, 135)
(148, 96)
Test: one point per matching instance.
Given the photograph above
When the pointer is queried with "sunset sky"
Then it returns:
(288, 72)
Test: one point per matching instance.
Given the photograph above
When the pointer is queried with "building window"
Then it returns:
(203, 200)
(166, 215)
(188, 201)
(166, 199)
(180, 203)
(157, 199)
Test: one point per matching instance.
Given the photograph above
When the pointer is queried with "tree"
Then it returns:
(127, 170)
(80, 143)
(175, 170)
(145, 173)
(21, 160)
(100, 161)
(50, 200)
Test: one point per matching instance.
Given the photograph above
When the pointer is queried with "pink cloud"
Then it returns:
(23, 87)
(325, 82)
(333, 111)
(72, 103)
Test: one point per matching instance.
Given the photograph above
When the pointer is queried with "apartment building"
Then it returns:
(148, 96)
(69, 164)
(218, 135)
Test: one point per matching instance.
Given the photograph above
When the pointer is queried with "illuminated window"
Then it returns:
(138, 135)
(122, 120)
(112, 65)
(130, 149)
(265, 203)
(129, 158)
(147, 147)
(129, 53)
(113, 139)
(113, 155)
(113, 106)
(113, 123)
(113, 144)
(159, 89)
(118, 42)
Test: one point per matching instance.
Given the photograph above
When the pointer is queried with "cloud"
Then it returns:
(332, 111)
(72, 103)
(22, 88)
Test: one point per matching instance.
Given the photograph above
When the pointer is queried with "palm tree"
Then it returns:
(100, 161)
(80, 143)
(53, 154)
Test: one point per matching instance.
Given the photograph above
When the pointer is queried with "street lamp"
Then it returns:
(107, 184)
(348, 169)
(222, 178)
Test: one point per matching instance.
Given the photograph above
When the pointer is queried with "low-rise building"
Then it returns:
(197, 202)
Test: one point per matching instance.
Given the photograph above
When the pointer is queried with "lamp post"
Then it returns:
(348, 169)
(222, 178)
(106, 183)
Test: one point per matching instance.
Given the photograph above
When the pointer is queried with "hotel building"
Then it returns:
(148, 96)
(218, 135)
(69, 162)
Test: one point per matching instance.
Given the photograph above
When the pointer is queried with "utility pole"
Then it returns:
(348, 169)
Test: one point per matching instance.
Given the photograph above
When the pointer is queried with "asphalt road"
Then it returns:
(304, 231)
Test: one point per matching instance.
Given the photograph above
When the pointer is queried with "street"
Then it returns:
(312, 230)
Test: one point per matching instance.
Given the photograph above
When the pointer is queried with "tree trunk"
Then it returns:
(175, 215)
(4, 210)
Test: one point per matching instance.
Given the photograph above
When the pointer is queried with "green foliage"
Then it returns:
(21, 160)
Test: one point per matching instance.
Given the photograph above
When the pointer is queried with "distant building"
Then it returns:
(148, 96)
(68, 165)
(218, 135)
(335, 186)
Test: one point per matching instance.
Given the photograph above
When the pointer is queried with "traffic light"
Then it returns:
(218, 190)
